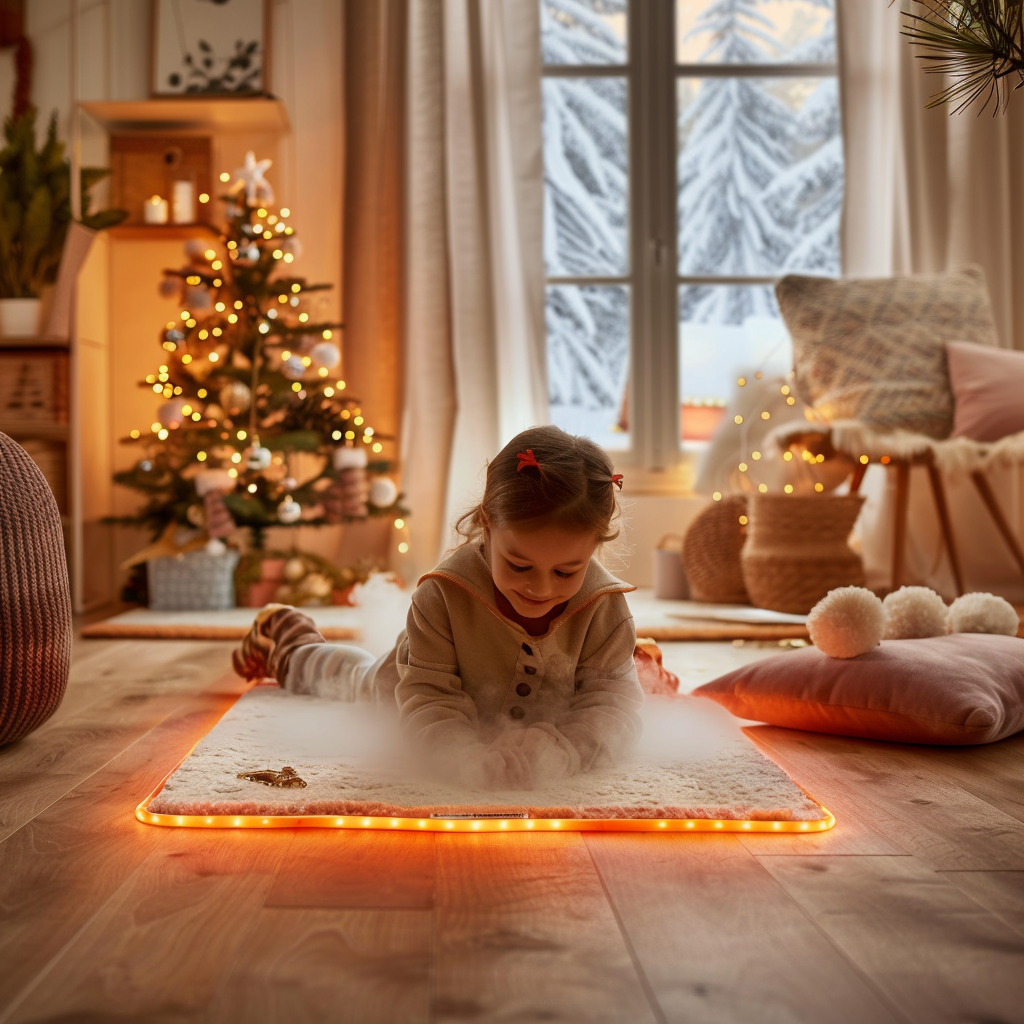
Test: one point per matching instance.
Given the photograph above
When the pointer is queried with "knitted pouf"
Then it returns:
(711, 552)
(35, 602)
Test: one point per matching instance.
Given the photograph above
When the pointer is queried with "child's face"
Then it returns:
(538, 569)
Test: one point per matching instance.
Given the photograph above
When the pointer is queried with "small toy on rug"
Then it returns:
(851, 621)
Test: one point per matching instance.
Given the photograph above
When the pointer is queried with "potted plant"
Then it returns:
(35, 212)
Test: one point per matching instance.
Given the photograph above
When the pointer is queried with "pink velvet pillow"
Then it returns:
(987, 386)
(959, 689)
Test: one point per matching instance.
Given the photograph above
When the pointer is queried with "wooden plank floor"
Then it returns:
(910, 910)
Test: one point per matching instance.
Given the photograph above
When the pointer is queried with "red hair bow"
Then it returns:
(617, 480)
(527, 458)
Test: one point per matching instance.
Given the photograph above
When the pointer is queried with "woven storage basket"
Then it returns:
(35, 601)
(711, 552)
(197, 581)
(797, 550)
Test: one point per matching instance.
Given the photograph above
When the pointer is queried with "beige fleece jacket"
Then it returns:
(463, 674)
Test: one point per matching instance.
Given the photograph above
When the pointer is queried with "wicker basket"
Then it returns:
(797, 550)
(197, 581)
(711, 552)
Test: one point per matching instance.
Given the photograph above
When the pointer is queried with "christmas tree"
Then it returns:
(255, 427)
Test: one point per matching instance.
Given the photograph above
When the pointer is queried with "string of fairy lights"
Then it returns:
(756, 455)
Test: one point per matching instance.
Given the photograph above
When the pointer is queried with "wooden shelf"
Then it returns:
(161, 232)
(30, 341)
(191, 114)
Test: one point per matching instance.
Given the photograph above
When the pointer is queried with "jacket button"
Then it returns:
(524, 689)
(530, 670)
(516, 712)
(527, 649)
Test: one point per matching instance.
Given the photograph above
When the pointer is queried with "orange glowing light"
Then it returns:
(490, 823)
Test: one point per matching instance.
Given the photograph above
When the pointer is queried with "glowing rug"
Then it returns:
(278, 759)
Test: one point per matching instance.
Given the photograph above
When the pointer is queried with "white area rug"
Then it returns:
(693, 763)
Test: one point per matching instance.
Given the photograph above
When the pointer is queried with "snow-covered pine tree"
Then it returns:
(760, 184)
(585, 207)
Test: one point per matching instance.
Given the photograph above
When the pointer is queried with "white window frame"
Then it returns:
(656, 458)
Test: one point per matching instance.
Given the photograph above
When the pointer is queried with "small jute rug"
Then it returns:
(278, 758)
(657, 619)
(336, 623)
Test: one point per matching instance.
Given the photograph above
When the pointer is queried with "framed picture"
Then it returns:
(210, 47)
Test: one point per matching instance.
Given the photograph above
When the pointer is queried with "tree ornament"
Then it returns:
(326, 355)
(218, 519)
(292, 368)
(213, 412)
(292, 245)
(289, 511)
(294, 570)
(257, 458)
(235, 396)
(197, 300)
(347, 457)
(196, 515)
(195, 248)
(208, 480)
(317, 586)
(249, 179)
(174, 336)
(169, 287)
(383, 492)
(171, 413)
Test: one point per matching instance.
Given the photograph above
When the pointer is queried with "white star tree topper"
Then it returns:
(250, 178)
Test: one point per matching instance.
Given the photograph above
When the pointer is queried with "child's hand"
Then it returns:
(548, 759)
(496, 767)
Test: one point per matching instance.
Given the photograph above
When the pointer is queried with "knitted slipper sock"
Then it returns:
(277, 631)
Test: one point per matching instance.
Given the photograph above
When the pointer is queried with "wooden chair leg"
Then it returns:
(939, 494)
(981, 482)
(899, 532)
(857, 477)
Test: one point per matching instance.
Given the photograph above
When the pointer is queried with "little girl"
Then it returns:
(516, 665)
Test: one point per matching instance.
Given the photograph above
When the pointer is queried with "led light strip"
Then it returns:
(487, 823)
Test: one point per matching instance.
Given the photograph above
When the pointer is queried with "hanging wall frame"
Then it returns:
(210, 48)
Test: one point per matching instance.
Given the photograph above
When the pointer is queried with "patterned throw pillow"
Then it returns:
(873, 349)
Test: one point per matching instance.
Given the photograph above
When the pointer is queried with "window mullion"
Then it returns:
(654, 402)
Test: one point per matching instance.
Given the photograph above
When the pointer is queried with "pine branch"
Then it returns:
(978, 43)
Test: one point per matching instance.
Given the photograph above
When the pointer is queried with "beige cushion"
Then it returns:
(960, 689)
(873, 349)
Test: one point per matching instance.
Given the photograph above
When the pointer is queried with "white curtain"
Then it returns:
(475, 361)
(927, 190)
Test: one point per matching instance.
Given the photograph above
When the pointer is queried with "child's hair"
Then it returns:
(568, 482)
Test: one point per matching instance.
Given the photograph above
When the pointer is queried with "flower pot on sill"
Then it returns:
(19, 318)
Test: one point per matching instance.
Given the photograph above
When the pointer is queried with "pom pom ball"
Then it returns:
(983, 613)
(847, 622)
(914, 612)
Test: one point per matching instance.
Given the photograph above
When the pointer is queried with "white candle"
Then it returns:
(183, 202)
(154, 210)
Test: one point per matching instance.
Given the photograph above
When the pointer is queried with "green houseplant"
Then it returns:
(35, 206)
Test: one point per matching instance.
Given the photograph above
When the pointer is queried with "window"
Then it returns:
(693, 155)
